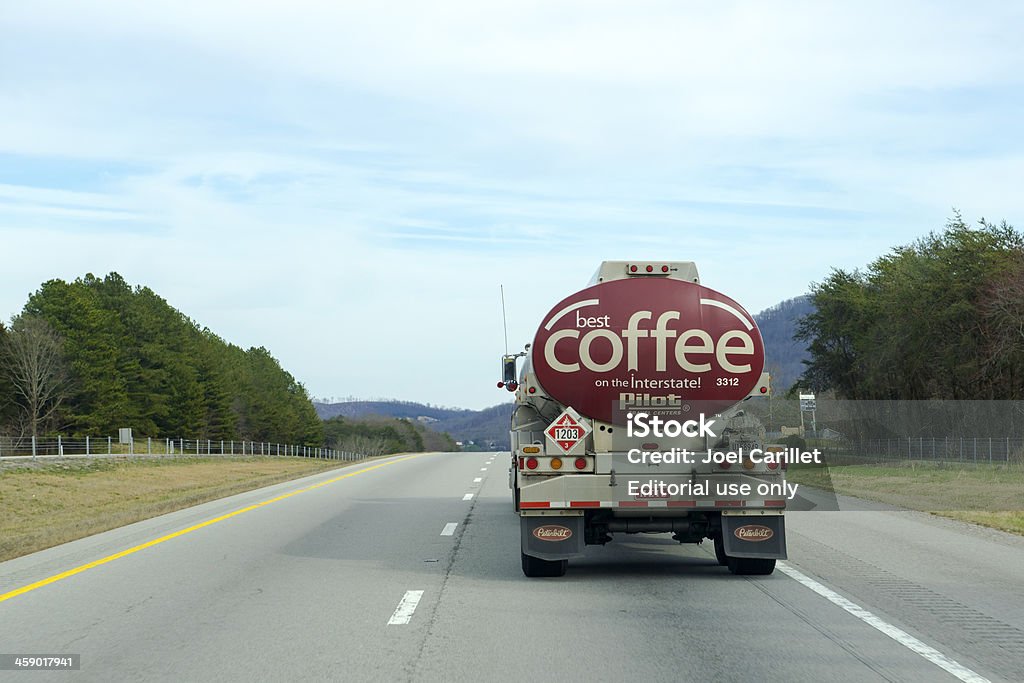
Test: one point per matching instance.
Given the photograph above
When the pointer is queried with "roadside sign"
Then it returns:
(567, 431)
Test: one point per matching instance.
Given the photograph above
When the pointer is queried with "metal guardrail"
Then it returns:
(30, 448)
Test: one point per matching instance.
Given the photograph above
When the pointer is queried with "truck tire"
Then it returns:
(533, 566)
(720, 555)
(751, 566)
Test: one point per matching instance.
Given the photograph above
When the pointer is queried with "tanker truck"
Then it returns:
(628, 418)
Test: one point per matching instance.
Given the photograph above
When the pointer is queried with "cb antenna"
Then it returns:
(504, 319)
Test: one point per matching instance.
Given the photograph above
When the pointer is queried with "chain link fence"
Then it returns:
(109, 446)
(964, 450)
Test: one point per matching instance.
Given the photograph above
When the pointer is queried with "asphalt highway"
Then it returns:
(407, 569)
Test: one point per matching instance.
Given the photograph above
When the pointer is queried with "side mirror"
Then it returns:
(508, 370)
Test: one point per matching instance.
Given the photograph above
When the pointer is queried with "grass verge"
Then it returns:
(989, 495)
(43, 505)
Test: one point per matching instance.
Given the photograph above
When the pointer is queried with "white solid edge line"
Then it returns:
(478, 480)
(406, 607)
(468, 496)
(899, 635)
(449, 529)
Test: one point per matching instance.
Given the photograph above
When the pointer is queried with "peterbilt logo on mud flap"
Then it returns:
(552, 532)
(754, 533)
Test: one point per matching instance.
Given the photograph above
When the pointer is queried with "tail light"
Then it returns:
(723, 465)
(531, 463)
(581, 463)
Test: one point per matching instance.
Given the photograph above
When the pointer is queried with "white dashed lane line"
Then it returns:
(449, 528)
(468, 496)
(406, 608)
(478, 480)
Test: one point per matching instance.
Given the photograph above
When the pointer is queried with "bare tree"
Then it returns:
(33, 361)
(367, 446)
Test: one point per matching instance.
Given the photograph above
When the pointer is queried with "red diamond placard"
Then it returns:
(568, 430)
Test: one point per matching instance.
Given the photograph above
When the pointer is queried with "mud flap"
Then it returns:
(552, 538)
(745, 536)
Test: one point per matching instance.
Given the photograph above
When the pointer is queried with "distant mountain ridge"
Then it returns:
(784, 355)
(483, 427)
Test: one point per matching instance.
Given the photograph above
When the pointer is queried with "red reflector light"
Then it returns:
(664, 269)
(581, 463)
(531, 463)
(533, 390)
(650, 269)
(773, 465)
(632, 269)
(723, 465)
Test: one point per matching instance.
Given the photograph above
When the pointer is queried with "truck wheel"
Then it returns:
(751, 566)
(534, 566)
(720, 555)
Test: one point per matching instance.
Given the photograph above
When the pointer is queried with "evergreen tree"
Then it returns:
(137, 362)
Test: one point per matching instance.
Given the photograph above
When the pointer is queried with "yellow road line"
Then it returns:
(156, 541)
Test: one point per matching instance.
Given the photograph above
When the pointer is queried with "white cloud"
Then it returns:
(348, 183)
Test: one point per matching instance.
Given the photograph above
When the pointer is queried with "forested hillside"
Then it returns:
(94, 355)
(401, 409)
(485, 427)
(382, 435)
(942, 318)
(784, 354)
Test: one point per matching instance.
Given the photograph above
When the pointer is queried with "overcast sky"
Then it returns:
(348, 184)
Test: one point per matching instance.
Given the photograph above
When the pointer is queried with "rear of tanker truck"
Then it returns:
(629, 419)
